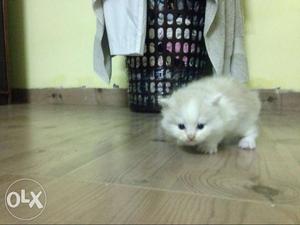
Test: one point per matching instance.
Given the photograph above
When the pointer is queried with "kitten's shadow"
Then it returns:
(191, 150)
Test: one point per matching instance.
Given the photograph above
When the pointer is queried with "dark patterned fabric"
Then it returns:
(175, 52)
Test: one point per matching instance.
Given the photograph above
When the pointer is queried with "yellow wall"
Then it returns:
(52, 43)
(273, 43)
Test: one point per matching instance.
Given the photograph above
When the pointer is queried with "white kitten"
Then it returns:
(207, 111)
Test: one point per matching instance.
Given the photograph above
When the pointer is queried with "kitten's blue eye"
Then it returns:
(200, 126)
(181, 126)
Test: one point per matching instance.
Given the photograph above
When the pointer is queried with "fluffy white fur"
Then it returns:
(224, 107)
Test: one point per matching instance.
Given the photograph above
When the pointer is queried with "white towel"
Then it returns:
(121, 30)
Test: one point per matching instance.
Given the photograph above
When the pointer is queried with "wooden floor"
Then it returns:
(109, 165)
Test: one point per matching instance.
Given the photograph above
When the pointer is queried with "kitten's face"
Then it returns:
(189, 122)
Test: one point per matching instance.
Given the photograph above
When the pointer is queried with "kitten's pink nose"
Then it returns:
(191, 137)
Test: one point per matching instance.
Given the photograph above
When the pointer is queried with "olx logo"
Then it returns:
(25, 199)
(21, 198)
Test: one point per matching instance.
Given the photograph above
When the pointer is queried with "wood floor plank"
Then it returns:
(232, 173)
(109, 165)
(71, 202)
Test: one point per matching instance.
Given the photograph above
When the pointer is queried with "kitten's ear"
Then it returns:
(164, 102)
(215, 99)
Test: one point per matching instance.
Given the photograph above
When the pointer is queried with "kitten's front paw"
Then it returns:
(206, 150)
(247, 143)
